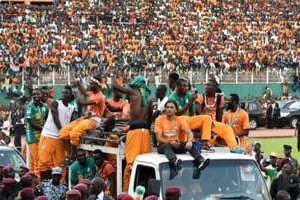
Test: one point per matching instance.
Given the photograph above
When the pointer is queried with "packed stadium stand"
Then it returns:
(246, 41)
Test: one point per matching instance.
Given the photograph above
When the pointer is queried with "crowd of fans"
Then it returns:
(92, 36)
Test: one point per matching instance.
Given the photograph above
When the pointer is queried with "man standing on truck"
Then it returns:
(51, 147)
(167, 131)
(36, 115)
(138, 137)
(95, 109)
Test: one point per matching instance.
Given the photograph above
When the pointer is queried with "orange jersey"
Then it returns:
(238, 120)
(170, 129)
(99, 106)
(210, 105)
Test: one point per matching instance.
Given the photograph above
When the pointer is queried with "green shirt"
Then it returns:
(38, 113)
(87, 171)
(182, 101)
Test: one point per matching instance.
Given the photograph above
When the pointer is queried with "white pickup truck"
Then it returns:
(228, 176)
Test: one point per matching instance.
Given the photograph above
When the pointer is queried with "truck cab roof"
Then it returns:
(216, 153)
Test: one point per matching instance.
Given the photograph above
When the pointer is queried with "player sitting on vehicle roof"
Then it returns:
(167, 130)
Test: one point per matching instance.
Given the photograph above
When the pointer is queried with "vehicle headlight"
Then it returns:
(284, 114)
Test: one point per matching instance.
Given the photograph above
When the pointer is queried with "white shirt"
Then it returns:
(64, 116)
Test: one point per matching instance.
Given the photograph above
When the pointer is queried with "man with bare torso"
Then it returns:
(138, 137)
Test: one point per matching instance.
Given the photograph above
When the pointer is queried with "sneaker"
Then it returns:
(203, 164)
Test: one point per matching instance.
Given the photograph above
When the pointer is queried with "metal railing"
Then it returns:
(194, 76)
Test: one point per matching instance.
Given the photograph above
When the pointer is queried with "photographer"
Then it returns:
(259, 155)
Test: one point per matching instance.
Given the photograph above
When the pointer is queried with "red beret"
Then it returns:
(73, 192)
(7, 169)
(41, 198)
(81, 187)
(151, 197)
(24, 168)
(25, 178)
(87, 182)
(8, 181)
(120, 196)
(27, 191)
(173, 190)
(30, 173)
(127, 197)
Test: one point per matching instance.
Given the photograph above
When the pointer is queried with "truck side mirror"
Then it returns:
(153, 187)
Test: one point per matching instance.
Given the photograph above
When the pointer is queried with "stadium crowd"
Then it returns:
(92, 36)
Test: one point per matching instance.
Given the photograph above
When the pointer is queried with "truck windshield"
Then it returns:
(222, 179)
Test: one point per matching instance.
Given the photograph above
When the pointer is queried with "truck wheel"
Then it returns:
(253, 124)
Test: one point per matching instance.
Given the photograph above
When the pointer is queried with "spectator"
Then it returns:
(73, 195)
(27, 194)
(8, 191)
(105, 170)
(8, 172)
(41, 198)
(83, 189)
(276, 115)
(82, 168)
(53, 189)
(288, 154)
(286, 181)
(269, 114)
(23, 170)
(97, 190)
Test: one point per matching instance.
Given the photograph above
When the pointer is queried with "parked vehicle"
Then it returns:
(11, 156)
(284, 103)
(256, 114)
(289, 115)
